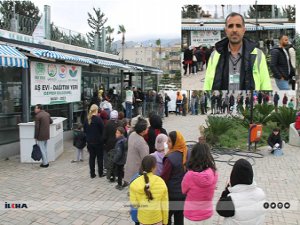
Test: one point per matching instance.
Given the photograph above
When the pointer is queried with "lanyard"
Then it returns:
(234, 62)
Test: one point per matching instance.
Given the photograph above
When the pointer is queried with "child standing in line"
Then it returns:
(199, 185)
(120, 155)
(79, 141)
(149, 194)
(161, 146)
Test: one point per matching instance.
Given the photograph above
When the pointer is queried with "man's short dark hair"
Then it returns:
(233, 14)
(39, 106)
(281, 36)
(141, 125)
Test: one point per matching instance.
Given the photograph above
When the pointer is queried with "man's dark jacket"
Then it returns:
(279, 64)
(221, 79)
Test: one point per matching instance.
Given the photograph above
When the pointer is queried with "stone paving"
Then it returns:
(65, 194)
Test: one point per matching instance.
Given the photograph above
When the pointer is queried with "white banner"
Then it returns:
(205, 37)
(54, 83)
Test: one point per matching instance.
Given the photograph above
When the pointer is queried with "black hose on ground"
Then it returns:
(217, 152)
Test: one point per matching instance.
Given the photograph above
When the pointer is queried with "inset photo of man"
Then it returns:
(227, 47)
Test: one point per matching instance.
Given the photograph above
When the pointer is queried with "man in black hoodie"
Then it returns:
(281, 64)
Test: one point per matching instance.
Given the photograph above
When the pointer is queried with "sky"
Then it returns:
(143, 19)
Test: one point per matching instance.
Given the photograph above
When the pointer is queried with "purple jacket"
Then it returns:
(159, 161)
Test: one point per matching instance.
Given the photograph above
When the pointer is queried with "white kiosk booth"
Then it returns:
(55, 145)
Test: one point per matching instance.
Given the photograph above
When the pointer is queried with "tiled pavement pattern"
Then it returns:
(65, 194)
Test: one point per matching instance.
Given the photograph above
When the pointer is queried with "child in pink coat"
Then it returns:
(199, 184)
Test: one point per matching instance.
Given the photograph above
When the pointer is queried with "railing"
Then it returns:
(69, 37)
(25, 25)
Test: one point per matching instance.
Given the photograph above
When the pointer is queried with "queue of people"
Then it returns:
(167, 182)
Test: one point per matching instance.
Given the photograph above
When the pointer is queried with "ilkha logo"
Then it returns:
(15, 205)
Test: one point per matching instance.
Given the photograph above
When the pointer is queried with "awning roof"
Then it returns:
(250, 27)
(11, 57)
(110, 64)
(42, 53)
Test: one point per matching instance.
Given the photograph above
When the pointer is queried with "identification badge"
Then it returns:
(234, 78)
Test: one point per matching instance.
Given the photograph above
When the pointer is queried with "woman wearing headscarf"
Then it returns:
(93, 129)
(174, 169)
(242, 201)
(154, 130)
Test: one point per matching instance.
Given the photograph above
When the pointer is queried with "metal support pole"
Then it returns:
(256, 23)
(25, 96)
(122, 85)
(251, 118)
(70, 117)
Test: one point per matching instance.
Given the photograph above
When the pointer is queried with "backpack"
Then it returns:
(36, 153)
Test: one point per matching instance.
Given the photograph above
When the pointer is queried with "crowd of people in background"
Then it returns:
(194, 58)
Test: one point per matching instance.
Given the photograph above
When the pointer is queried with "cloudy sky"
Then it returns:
(143, 19)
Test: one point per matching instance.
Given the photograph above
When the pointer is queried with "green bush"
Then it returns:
(261, 115)
(284, 117)
(216, 126)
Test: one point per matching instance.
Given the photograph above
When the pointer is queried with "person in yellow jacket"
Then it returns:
(149, 194)
(236, 63)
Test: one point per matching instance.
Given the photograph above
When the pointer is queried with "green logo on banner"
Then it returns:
(52, 70)
(73, 71)
(40, 69)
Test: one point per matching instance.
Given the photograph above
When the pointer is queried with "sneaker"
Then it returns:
(74, 161)
(44, 166)
(125, 184)
(93, 176)
(119, 187)
(81, 160)
(101, 175)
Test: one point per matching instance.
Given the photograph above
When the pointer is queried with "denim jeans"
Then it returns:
(79, 154)
(193, 109)
(128, 110)
(282, 84)
(43, 147)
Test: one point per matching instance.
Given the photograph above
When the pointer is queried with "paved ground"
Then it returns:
(65, 194)
(196, 81)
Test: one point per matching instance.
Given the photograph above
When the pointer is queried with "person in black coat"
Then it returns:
(109, 140)
(119, 159)
(281, 65)
(79, 141)
(154, 130)
(93, 129)
(167, 100)
(274, 140)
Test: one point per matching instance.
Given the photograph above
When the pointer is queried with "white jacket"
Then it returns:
(248, 203)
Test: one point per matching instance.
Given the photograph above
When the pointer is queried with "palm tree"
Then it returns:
(122, 31)
(109, 38)
(158, 44)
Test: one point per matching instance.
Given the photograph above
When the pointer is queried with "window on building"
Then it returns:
(10, 104)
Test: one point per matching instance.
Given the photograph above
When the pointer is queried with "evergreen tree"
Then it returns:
(290, 12)
(96, 23)
(27, 11)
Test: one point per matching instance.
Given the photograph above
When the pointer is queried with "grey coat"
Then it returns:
(137, 150)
